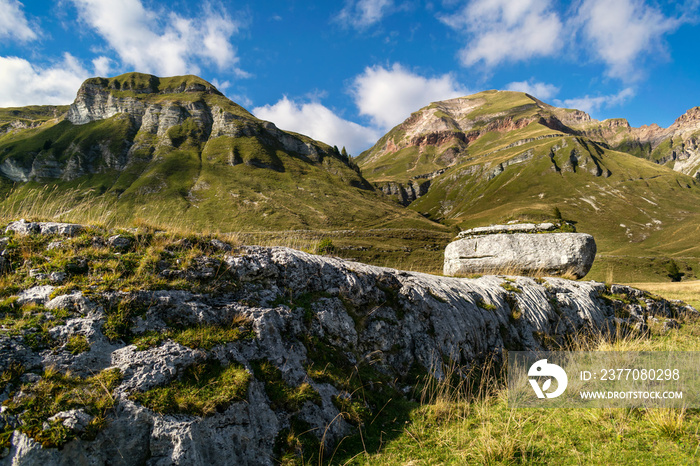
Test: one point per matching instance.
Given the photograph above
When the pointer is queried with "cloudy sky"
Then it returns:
(345, 72)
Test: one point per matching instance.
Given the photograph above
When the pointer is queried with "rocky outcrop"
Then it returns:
(548, 253)
(24, 227)
(307, 317)
(99, 98)
(405, 192)
(509, 228)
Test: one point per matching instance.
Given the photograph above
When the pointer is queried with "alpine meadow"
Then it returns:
(366, 232)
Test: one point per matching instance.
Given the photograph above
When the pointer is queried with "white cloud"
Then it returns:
(506, 30)
(621, 31)
(13, 23)
(319, 122)
(388, 96)
(364, 13)
(22, 83)
(162, 42)
(102, 66)
(592, 104)
(542, 91)
(221, 85)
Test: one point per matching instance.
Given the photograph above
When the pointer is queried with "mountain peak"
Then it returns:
(689, 118)
(140, 83)
(136, 93)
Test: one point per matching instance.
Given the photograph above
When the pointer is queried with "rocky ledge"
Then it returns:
(510, 228)
(290, 344)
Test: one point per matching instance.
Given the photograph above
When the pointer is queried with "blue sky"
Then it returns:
(346, 72)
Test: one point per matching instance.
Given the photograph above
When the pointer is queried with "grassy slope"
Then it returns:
(195, 184)
(402, 165)
(32, 113)
(659, 208)
(266, 197)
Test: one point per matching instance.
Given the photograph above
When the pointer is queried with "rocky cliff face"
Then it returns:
(308, 329)
(676, 145)
(99, 99)
(148, 107)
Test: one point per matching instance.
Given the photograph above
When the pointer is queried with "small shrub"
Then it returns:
(325, 246)
(674, 272)
(556, 213)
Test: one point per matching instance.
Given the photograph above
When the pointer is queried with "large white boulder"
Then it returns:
(547, 253)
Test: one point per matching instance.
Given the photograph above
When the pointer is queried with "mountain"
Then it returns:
(176, 151)
(499, 155)
(677, 147)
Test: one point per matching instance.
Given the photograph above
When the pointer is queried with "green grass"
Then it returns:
(32, 113)
(77, 344)
(470, 423)
(203, 390)
(56, 392)
(188, 189)
(488, 432)
(202, 336)
(130, 271)
(281, 395)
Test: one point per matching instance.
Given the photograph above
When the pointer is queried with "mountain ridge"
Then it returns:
(498, 156)
(137, 142)
(176, 150)
(463, 120)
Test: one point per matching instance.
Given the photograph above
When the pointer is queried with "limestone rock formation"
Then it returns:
(549, 253)
(305, 317)
(509, 228)
(45, 228)
(148, 107)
